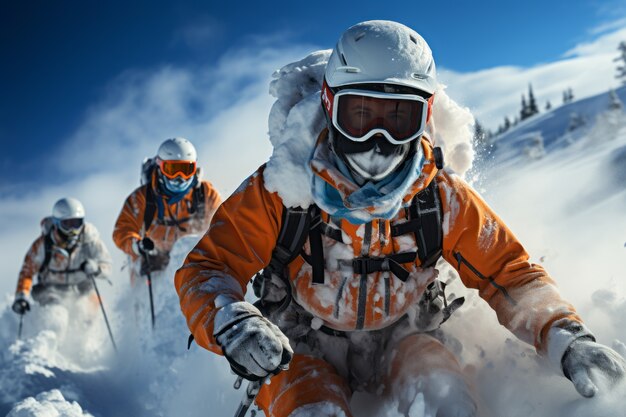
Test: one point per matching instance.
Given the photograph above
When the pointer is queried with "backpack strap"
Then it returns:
(198, 200)
(425, 222)
(294, 230)
(293, 233)
(317, 247)
(150, 209)
(47, 245)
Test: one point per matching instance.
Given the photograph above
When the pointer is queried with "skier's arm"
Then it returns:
(100, 254)
(489, 258)
(30, 267)
(213, 201)
(238, 244)
(129, 222)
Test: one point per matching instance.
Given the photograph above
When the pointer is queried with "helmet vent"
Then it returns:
(413, 39)
(359, 36)
(349, 70)
(343, 59)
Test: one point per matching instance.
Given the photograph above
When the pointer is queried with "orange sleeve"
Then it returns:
(237, 245)
(32, 262)
(489, 258)
(130, 221)
(213, 201)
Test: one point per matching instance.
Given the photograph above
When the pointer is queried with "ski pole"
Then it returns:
(149, 278)
(19, 329)
(251, 393)
(104, 314)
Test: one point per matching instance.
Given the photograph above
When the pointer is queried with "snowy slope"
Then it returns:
(566, 204)
(557, 128)
(153, 375)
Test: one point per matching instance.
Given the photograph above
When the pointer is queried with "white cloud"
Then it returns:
(496, 92)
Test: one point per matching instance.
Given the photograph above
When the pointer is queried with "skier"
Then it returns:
(349, 296)
(172, 202)
(64, 258)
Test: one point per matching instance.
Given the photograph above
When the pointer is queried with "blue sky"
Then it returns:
(61, 58)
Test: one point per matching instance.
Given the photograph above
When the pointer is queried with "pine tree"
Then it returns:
(507, 123)
(570, 95)
(621, 69)
(548, 105)
(480, 138)
(532, 104)
(614, 102)
(523, 114)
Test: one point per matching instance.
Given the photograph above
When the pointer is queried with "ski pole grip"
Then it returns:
(147, 244)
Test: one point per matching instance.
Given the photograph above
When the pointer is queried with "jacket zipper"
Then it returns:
(461, 260)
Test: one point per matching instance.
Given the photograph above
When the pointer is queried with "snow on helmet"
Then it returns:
(177, 161)
(68, 215)
(381, 51)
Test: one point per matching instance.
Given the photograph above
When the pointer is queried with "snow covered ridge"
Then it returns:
(595, 118)
(297, 119)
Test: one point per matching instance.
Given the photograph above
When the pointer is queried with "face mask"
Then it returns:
(373, 159)
(373, 165)
(65, 240)
(178, 184)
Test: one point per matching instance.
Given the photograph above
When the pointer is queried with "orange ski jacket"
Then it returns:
(476, 242)
(178, 219)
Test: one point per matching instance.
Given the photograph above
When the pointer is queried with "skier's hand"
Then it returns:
(20, 306)
(253, 345)
(90, 267)
(144, 246)
(155, 261)
(585, 359)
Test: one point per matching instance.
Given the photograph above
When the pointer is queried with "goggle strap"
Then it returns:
(431, 101)
(328, 98)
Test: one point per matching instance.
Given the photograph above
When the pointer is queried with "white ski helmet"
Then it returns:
(382, 52)
(177, 161)
(68, 208)
(68, 215)
(177, 149)
(377, 95)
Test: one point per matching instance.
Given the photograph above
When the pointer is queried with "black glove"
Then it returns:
(584, 356)
(21, 306)
(157, 261)
(146, 245)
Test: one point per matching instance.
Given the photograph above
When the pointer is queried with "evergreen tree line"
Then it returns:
(483, 142)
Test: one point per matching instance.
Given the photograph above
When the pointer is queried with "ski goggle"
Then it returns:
(173, 169)
(361, 114)
(71, 226)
